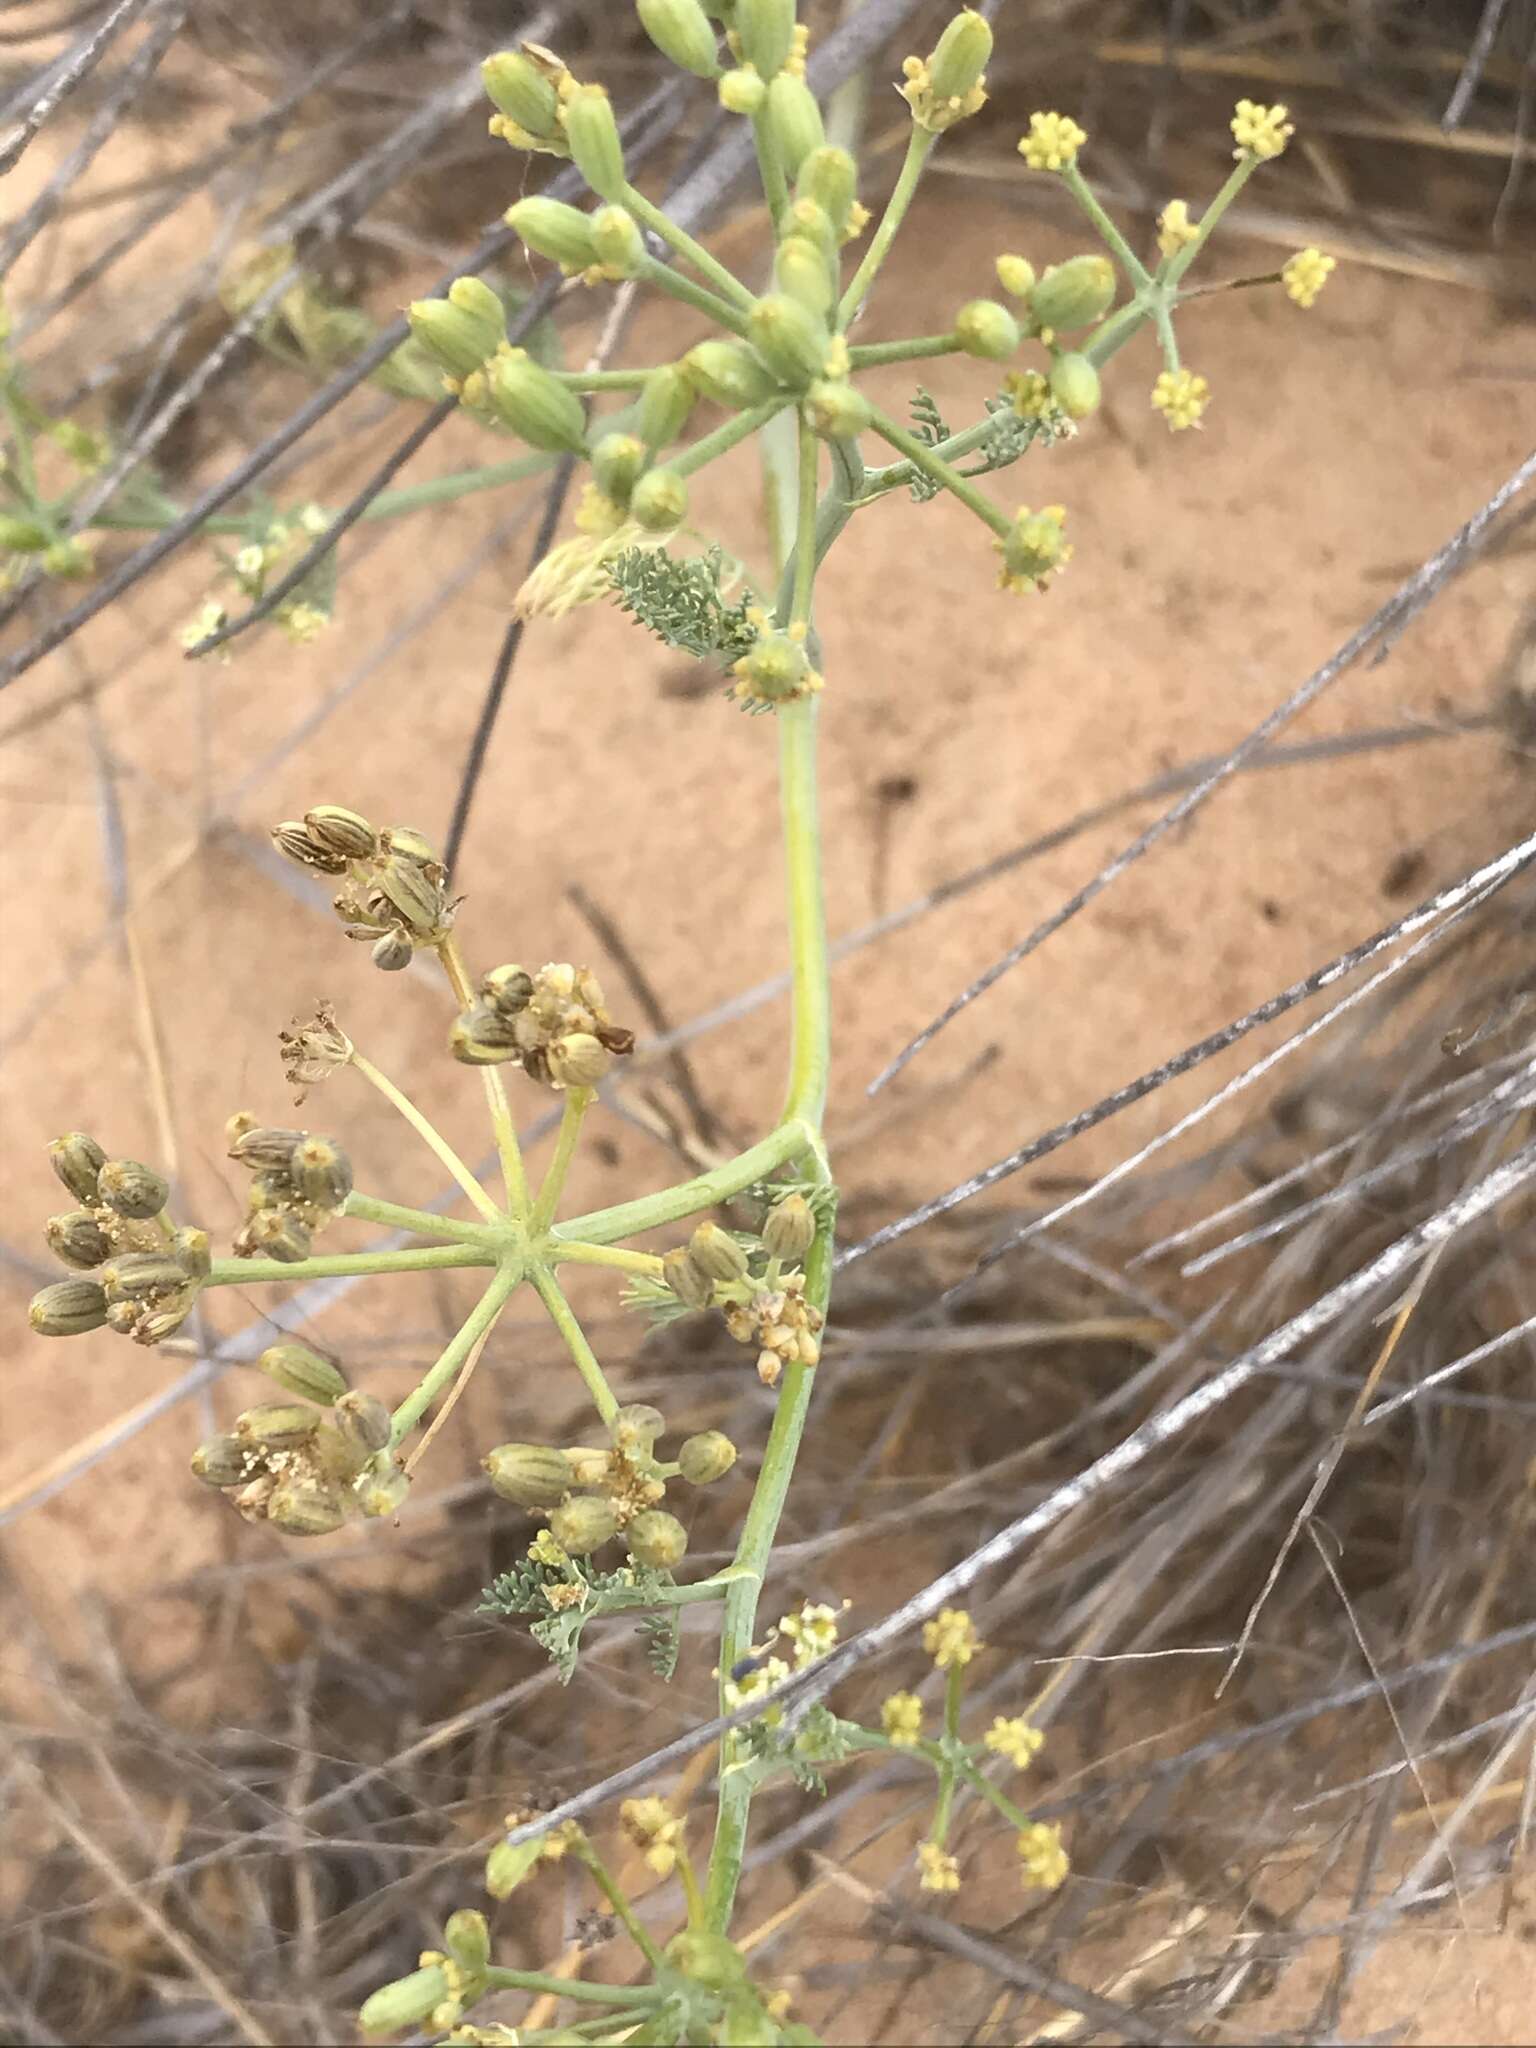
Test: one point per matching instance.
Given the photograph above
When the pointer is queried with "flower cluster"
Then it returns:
(655, 1830)
(306, 611)
(1052, 142)
(1034, 548)
(951, 1639)
(144, 1273)
(1181, 397)
(1175, 229)
(306, 1466)
(554, 1024)
(811, 1632)
(300, 1181)
(394, 895)
(1305, 274)
(1261, 132)
(763, 1305)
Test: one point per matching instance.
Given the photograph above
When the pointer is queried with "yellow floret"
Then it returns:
(1013, 1739)
(901, 1716)
(1305, 275)
(1181, 397)
(1052, 142)
(1261, 131)
(950, 1638)
(1175, 229)
(1044, 1859)
(940, 1871)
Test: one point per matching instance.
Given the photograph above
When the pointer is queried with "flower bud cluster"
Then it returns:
(766, 1309)
(300, 1181)
(811, 1632)
(553, 1024)
(591, 1496)
(131, 1270)
(307, 1465)
(394, 895)
(306, 611)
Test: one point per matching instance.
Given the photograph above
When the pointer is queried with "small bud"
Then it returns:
(706, 1457)
(192, 1252)
(680, 30)
(776, 668)
(617, 239)
(712, 1960)
(467, 1939)
(765, 30)
(299, 1509)
(529, 1475)
(78, 1239)
(507, 1866)
(275, 1425)
(405, 2004)
(381, 1493)
(68, 1309)
(265, 1148)
(1075, 386)
(659, 501)
(657, 1540)
(482, 1037)
(791, 340)
(729, 373)
(593, 137)
(960, 57)
(1075, 293)
(222, 1461)
(838, 412)
(393, 952)
(583, 1524)
(77, 1160)
(507, 989)
(689, 1282)
(340, 831)
(520, 89)
(636, 1426)
(790, 1229)
(667, 397)
(617, 462)
(801, 270)
(460, 332)
(274, 1234)
(364, 1419)
(551, 228)
(132, 1189)
(298, 1370)
(547, 414)
(140, 1276)
(986, 329)
(1016, 275)
(742, 91)
(578, 1060)
(322, 1172)
(794, 121)
(715, 1252)
(828, 177)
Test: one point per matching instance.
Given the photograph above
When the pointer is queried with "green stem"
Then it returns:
(1118, 246)
(559, 1253)
(480, 1322)
(708, 446)
(569, 1987)
(752, 1555)
(577, 1102)
(666, 279)
(1166, 336)
(347, 1265)
(437, 490)
(919, 144)
(724, 281)
(1237, 178)
(810, 1039)
(507, 1148)
(603, 1878)
(868, 355)
(1117, 330)
(980, 1782)
(564, 1320)
(809, 464)
(430, 1134)
(933, 465)
(688, 1197)
(423, 1221)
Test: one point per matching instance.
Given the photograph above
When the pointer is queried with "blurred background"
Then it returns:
(249, 1779)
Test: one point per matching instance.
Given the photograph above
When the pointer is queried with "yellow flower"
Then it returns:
(1033, 550)
(1031, 394)
(799, 45)
(1260, 131)
(813, 1631)
(576, 572)
(940, 1871)
(1015, 1740)
(652, 1826)
(202, 623)
(545, 1550)
(303, 622)
(1175, 229)
(1181, 397)
(1044, 1859)
(1052, 142)
(950, 1638)
(741, 1692)
(901, 1716)
(1305, 275)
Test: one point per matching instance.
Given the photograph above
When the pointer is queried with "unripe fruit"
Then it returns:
(766, 31)
(801, 270)
(715, 1252)
(742, 91)
(837, 410)
(529, 1475)
(1075, 386)
(1074, 293)
(706, 1457)
(77, 1160)
(794, 121)
(791, 339)
(789, 1230)
(680, 30)
(551, 228)
(657, 1540)
(533, 404)
(659, 502)
(517, 88)
(300, 1510)
(277, 1424)
(687, 1280)
(618, 241)
(637, 1425)
(667, 397)
(298, 1370)
(78, 1239)
(593, 135)
(132, 1189)
(960, 56)
(584, 1524)
(986, 329)
(617, 462)
(222, 1461)
(828, 177)
(729, 373)
(364, 1420)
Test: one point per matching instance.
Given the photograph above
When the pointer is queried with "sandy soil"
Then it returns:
(1213, 572)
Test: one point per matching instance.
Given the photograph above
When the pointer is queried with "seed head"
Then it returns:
(706, 1457)
(68, 1308)
(131, 1189)
(583, 1524)
(78, 1239)
(341, 831)
(363, 1419)
(77, 1160)
(790, 1229)
(298, 1370)
(529, 1475)
(657, 1540)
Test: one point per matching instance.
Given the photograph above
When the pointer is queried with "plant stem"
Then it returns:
(811, 1023)
(423, 1221)
(604, 1879)
(507, 1147)
(568, 1987)
(1237, 178)
(919, 144)
(688, 1197)
(480, 1322)
(708, 446)
(933, 465)
(724, 281)
(809, 464)
(563, 1317)
(867, 355)
(666, 279)
(429, 1132)
(577, 1102)
(560, 1253)
(1118, 246)
(346, 1265)
(980, 1782)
